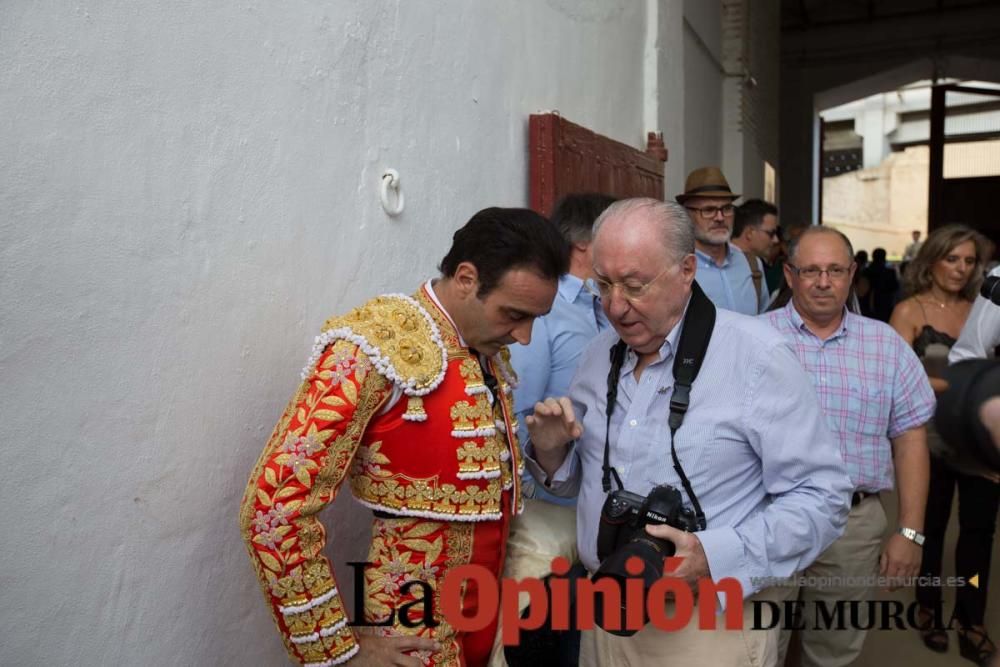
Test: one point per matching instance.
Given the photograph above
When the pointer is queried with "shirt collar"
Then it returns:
(799, 324)
(666, 349)
(429, 288)
(711, 260)
(570, 287)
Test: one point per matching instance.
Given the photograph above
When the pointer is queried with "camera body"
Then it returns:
(622, 536)
(625, 516)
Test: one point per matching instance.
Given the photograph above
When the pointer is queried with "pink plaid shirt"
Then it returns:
(871, 386)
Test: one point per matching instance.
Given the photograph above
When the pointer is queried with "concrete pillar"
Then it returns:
(795, 167)
(734, 52)
(874, 123)
(664, 85)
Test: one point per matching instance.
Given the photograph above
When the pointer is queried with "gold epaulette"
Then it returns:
(399, 338)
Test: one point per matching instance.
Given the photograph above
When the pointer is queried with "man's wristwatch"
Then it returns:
(912, 535)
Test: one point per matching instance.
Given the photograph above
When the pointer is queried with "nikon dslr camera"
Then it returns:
(622, 534)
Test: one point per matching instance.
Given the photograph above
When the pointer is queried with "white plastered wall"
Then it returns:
(730, 51)
(188, 191)
(703, 100)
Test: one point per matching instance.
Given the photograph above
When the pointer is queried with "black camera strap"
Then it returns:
(696, 332)
(617, 360)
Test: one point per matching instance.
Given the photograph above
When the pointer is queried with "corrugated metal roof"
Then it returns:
(972, 159)
(917, 129)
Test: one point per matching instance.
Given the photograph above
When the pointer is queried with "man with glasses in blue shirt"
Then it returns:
(724, 273)
(755, 448)
(546, 364)
(544, 367)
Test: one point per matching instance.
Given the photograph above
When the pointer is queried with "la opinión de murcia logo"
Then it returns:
(553, 600)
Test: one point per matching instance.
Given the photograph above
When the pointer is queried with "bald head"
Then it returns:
(643, 220)
(644, 265)
(825, 234)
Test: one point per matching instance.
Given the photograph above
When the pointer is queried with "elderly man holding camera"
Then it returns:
(725, 413)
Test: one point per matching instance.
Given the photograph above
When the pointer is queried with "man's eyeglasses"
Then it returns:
(814, 272)
(773, 233)
(709, 212)
(632, 291)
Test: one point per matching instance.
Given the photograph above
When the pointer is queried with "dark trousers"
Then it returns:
(545, 646)
(977, 517)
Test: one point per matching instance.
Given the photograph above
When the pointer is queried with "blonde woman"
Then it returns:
(943, 280)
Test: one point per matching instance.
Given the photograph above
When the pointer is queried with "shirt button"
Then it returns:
(633, 423)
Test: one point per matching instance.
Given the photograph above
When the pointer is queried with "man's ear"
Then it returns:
(689, 265)
(789, 274)
(466, 279)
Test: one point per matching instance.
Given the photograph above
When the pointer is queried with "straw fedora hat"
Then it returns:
(706, 182)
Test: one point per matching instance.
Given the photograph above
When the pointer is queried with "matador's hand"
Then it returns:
(382, 651)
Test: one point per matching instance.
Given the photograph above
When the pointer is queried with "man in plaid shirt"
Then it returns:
(876, 398)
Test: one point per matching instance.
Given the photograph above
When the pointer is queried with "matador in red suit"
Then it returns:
(409, 398)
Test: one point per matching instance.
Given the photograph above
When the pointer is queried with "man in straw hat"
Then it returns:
(723, 270)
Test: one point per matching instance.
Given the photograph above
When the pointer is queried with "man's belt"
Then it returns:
(862, 495)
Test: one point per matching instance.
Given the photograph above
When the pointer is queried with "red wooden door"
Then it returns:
(566, 158)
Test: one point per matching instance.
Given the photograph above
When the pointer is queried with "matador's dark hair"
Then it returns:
(497, 240)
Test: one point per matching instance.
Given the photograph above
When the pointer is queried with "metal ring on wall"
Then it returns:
(390, 180)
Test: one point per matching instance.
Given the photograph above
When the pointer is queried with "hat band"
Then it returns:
(705, 188)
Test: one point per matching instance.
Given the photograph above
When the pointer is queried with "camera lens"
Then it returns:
(650, 551)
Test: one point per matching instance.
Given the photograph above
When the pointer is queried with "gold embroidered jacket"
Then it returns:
(441, 451)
